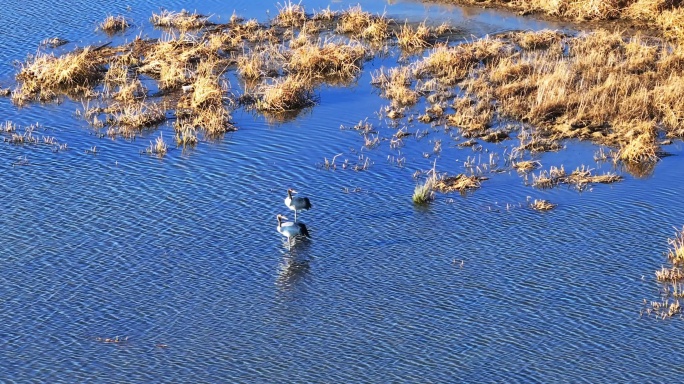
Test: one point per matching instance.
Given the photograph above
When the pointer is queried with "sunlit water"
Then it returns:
(181, 255)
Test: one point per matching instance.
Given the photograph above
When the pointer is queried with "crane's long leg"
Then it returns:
(295, 215)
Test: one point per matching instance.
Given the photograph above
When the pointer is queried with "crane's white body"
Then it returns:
(291, 230)
(297, 204)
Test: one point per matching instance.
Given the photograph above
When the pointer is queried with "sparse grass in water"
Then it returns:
(159, 147)
(542, 205)
(136, 116)
(395, 84)
(676, 251)
(186, 135)
(183, 20)
(526, 165)
(460, 183)
(113, 24)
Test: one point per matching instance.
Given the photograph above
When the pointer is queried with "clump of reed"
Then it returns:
(285, 94)
(159, 147)
(550, 178)
(474, 117)
(130, 118)
(326, 59)
(542, 205)
(673, 274)
(672, 278)
(186, 135)
(114, 24)
(531, 40)
(203, 107)
(395, 83)
(675, 252)
(581, 177)
(450, 64)
(526, 165)
(172, 59)
(615, 90)
(183, 20)
(412, 39)
(42, 76)
(261, 62)
(361, 24)
(460, 183)
(290, 14)
(666, 308)
(423, 193)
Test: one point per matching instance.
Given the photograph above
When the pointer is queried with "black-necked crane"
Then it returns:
(290, 229)
(297, 204)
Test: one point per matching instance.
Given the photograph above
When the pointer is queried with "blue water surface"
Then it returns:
(179, 260)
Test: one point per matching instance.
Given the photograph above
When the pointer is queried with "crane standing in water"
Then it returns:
(297, 204)
(291, 230)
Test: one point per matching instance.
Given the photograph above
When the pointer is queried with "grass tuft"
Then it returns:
(114, 24)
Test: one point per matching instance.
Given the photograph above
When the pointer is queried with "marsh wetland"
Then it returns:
(496, 192)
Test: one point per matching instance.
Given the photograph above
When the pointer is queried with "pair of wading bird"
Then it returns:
(288, 228)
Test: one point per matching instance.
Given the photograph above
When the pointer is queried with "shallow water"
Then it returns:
(180, 255)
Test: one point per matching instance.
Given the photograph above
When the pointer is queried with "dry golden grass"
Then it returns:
(395, 84)
(159, 147)
(354, 21)
(676, 251)
(214, 120)
(285, 94)
(261, 62)
(326, 59)
(580, 178)
(666, 15)
(542, 205)
(550, 178)
(474, 117)
(614, 90)
(451, 64)
(411, 39)
(186, 135)
(207, 88)
(673, 274)
(325, 14)
(127, 119)
(290, 14)
(129, 91)
(45, 74)
(359, 23)
(113, 24)
(531, 40)
(667, 308)
(183, 20)
(460, 183)
(526, 165)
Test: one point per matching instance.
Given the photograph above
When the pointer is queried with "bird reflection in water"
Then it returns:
(294, 267)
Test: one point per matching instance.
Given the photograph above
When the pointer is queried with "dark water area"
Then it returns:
(180, 255)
